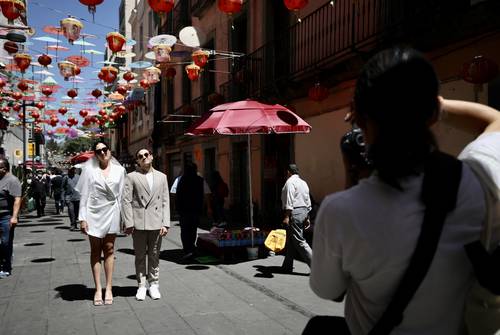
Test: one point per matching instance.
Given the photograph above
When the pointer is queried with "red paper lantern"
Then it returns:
(12, 9)
(102, 112)
(200, 57)
(479, 70)
(22, 85)
(16, 107)
(295, 5)
(161, 6)
(109, 74)
(144, 84)
(100, 75)
(318, 92)
(91, 4)
(17, 95)
(72, 93)
(193, 71)
(11, 47)
(170, 73)
(230, 7)
(115, 41)
(35, 115)
(62, 110)
(23, 61)
(40, 105)
(53, 121)
(47, 91)
(83, 113)
(44, 60)
(121, 89)
(77, 70)
(120, 110)
(128, 76)
(21, 115)
(96, 93)
(2, 83)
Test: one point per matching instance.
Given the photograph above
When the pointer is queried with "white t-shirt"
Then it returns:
(149, 178)
(365, 236)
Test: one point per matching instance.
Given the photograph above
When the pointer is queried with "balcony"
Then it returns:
(333, 40)
(198, 7)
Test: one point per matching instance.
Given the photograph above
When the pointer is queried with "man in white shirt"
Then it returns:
(296, 204)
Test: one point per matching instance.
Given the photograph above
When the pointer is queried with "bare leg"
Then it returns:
(95, 264)
(109, 263)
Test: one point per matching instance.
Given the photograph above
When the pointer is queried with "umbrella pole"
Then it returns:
(249, 150)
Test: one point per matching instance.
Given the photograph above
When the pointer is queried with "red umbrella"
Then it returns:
(83, 157)
(249, 117)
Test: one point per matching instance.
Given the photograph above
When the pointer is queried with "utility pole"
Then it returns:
(25, 151)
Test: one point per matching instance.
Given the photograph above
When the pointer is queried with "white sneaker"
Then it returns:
(154, 292)
(141, 293)
(4, 274)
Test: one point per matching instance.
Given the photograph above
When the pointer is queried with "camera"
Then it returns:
(353, 147)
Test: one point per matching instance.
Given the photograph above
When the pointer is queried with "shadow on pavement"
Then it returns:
(197, 267)
(38, 231)
(49, 219)
(76, 239)
(48, 223)
(64, 227)
(127, 251)
(43, 260)
(73, 292)
(33, 244)
(269, 271)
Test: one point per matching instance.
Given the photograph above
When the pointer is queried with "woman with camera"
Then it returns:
(366, 235)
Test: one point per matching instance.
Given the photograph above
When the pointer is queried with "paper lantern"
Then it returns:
(109, 74)
(34, 114)
(128, 76)
(121, 89)
(152, 74)
(479, 70)
(72, 93)
(200, 57)
(318, 92)
(66, 69)
(2, 83)
(161, 6)
(53, 121)
(91, 4)
(230, 7)
(115, 41)
(16, 107)
(71, 29)
(44, 60)
(83, 113)
(96, 93)
(47, 91)
(120, 110)
(170, 73)
(144, 84)
(12, 9)
(40, 105)
(10, 47)
(193, 71)
(62, 110)
(22, 86)
(17, 95)
(162, 52)
(23, 61)
(295, 6)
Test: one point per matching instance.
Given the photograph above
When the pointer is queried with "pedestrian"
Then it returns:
(219, 191)
(10, 203)
(37, 192)
(146, 215)
(189, 204)
(296, 205)
(71, 196)
(365, 236)
(57, 191)
(47, 181)
(100, 187)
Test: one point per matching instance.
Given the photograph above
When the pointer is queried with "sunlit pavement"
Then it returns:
(51, 290)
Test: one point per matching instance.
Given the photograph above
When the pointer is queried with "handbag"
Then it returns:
(31, 204)
(482, 307)
(276, 240)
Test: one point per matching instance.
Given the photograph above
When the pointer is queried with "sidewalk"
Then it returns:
(51, 290)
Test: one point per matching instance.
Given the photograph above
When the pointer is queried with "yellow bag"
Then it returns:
(276, 240)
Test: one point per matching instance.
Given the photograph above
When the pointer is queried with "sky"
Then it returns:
(42, 13)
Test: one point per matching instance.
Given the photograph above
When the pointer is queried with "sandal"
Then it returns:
(98, 302)
(108, 301)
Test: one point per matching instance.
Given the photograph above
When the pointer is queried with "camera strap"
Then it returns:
(442, 175)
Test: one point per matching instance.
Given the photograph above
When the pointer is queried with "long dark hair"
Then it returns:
(397, 91)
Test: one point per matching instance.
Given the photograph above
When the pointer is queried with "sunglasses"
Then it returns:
(103, 151)
(141, 156)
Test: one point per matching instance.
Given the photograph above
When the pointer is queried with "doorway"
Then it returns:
(239, 210)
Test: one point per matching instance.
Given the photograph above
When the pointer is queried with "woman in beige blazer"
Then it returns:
(146, 215)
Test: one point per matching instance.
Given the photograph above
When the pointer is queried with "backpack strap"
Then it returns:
(442, 175)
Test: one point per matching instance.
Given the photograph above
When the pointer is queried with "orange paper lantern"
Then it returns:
(193, 71)
(115, 41)
(23, 61)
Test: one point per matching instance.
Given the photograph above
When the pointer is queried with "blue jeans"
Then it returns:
(6, 237)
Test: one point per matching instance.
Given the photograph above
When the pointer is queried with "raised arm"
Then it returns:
(470, 116)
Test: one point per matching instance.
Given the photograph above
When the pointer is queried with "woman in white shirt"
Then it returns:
(100, 185)
(365, 236)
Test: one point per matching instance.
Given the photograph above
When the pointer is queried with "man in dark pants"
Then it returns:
(189, 201)
(10, 202)
(38, 193)
(57, 191)
(296, 204)
(71, 196)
